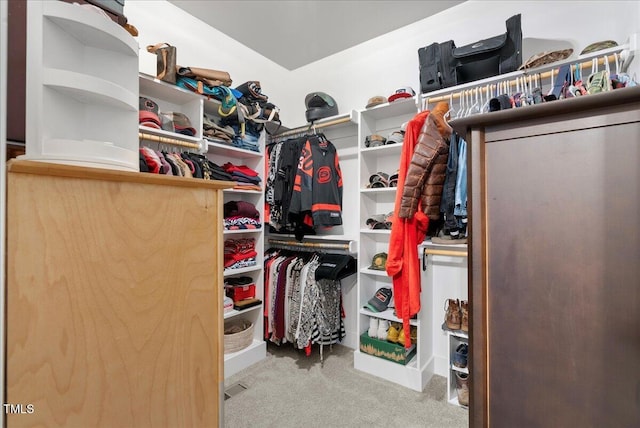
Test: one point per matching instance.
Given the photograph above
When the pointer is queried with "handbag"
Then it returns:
(206, 75)
(166, 61)
(443, 64)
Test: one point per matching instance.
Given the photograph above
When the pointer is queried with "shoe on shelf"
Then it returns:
(462, 387)
(383, 326)
(393, 332)
(452, 316)
(413, 333)
(460, 355)
(373, 327)
(464, 308)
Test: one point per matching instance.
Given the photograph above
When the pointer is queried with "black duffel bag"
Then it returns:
(443, 64)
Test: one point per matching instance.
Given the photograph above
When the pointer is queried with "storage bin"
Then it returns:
(389, 351)
(237, 336)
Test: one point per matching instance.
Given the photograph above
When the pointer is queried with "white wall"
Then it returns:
(380, 65)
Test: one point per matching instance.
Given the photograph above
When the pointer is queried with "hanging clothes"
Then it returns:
(300, 308)
(304, 185)
(409, 231)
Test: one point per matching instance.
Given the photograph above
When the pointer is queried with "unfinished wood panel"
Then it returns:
(114, 301)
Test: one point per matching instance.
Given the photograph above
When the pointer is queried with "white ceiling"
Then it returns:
(296, 33)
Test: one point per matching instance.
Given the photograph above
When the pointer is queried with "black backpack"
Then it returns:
(443, 64)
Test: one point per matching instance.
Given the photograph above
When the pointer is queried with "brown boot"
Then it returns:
(464, 308)
(452, 316)
(462, 387)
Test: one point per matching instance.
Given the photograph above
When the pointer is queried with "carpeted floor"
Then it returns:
(289, 389)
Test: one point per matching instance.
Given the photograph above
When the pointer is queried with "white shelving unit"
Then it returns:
(81, 88)
(383, 120)
(455, 338)
(171, 98)
(221, 154)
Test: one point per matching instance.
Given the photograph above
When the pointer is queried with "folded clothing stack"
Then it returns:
(245, 177)
(239, 253)
(241, 215)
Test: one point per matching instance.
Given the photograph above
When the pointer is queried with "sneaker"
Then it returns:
(383, 326)
(462, 387)
(460, 356)
(393, 332)
(373, 327)
(413, 332)
(452, 315)
(464, 309)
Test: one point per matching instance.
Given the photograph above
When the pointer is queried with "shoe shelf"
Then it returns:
(383, 120)
(455, 338)
(386, 315)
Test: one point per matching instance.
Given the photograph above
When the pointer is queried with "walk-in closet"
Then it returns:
(324, 214)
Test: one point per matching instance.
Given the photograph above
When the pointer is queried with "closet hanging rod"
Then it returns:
(454, 253)
(316, 126)
(350, 246)
(457, 93)
(167, 140)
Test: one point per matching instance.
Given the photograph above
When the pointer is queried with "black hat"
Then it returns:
(335, 266)
(319, 105)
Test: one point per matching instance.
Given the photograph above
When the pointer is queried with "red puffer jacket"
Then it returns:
(425, 176)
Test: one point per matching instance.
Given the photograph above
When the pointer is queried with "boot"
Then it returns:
(462, 386)
(464, 308)
(452, 316)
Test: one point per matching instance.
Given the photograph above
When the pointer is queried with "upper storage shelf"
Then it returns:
(90, 28)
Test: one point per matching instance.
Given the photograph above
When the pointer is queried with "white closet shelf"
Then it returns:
(238, 231)
(231, 272)
(237, 361)
(374, 272)
(380, 190)
(386, 315)
(459, 369)
(376, 231)
(231, 151)
(395, 108)
(98, 153)
(168, 134)
(244, 192)
(90, 90)
(90, 27)
(234, 312)
(165, 91)
(386, 149)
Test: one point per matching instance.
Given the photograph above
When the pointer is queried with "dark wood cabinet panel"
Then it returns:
(554, 272)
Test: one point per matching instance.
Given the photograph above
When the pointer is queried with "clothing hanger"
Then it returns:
(451, 109)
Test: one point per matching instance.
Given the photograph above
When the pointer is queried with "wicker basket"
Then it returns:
(237, 336)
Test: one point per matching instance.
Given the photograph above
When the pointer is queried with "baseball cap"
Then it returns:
(377, 100)
(374, 140)
(395, 137)
(379, 179)
(543, 58)
(598, 46)
(405, 92)
(379, 261)
(181, 123)
(380, 301)
(148, 113)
